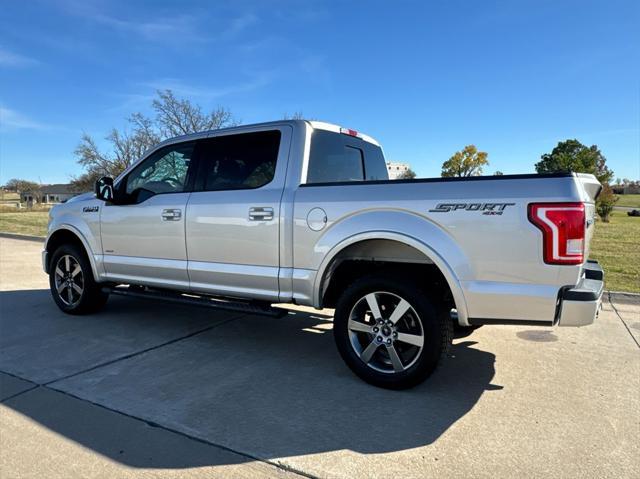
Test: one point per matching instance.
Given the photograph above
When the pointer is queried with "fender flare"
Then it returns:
(83, 240)
(443, 266)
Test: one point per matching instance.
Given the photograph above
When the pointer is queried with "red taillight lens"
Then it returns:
(563, 230)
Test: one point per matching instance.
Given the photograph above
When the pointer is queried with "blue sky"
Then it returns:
(425, 78)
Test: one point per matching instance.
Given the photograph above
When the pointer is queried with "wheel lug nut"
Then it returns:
(395, 335)
(388, 341)
(376, 329)
(379, 339)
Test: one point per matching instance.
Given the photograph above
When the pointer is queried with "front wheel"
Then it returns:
(389, 332)
(71, 281)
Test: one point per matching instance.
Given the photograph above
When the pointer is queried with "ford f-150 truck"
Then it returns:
(303, 212)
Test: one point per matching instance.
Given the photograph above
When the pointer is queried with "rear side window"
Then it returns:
(336, 158)
(231, 162)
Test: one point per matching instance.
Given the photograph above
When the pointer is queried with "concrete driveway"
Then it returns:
(161, 390)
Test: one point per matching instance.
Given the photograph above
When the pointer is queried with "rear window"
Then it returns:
(336, 158)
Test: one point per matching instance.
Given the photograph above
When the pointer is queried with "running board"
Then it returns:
(249, 307)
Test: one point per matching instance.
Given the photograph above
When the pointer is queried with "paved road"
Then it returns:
(162, 390)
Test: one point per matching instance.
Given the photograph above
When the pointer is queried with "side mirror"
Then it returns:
(104, 189)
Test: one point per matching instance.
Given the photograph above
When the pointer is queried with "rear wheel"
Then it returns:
(71, 281)
(389, 332)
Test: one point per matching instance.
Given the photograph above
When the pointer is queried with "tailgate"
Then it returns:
(591, 188)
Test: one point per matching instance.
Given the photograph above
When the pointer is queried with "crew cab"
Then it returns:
(303, 212)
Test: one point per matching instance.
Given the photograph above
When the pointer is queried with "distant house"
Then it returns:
(627, 189)
(58, 193)
(396, 170)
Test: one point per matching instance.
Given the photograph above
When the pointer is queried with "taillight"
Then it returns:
(563, 231)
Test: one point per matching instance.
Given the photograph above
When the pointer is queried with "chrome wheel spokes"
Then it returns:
(69, 280)
(386, 332)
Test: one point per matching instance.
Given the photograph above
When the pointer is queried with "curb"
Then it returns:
(624, 293)
(18, 236)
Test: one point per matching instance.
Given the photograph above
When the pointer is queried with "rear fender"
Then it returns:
(398, 226)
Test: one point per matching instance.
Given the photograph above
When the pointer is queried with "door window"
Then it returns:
(165, 171)
(242, 161)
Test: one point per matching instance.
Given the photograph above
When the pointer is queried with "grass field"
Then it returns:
(616, 244)
(24, 222)
(631, 201)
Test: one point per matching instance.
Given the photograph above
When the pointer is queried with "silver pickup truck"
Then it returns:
(303, 212)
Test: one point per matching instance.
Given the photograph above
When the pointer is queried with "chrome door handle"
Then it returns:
(257, 213)
(171, 215)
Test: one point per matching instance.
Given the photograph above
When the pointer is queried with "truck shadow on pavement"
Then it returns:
(263, 387)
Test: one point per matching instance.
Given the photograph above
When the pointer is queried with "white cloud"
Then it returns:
(12, 120)
(191, 91)
(181, 89)
(10, 59)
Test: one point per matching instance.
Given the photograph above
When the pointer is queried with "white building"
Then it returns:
(58, 193)
(397, 169)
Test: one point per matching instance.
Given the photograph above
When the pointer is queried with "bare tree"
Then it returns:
(296, 116)
(180, 117)
(173, 117)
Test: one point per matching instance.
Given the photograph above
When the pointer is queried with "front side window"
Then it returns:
(165, 171)
(242, 161)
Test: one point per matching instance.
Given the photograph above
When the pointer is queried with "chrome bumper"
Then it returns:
(580, 306)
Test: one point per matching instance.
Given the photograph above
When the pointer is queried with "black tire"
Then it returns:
(425, 313)
(91, 298)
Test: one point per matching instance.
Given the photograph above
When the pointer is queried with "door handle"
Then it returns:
(258, 213)
(171, 215)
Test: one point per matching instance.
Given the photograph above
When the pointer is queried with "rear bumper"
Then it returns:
(579, 306)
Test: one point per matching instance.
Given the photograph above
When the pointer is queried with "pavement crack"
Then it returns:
(143, 351)
(622, 320)
(13, 396)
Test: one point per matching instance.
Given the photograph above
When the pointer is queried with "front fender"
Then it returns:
(88, 233)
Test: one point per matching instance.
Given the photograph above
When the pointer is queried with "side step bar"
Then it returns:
(249, 307)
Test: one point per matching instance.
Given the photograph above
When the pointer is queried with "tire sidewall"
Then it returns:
(429, 316)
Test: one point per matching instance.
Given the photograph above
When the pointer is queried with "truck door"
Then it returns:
(143, 237)
(233, 216)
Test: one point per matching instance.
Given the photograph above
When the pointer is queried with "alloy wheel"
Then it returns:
(69, 280)
(386, 332)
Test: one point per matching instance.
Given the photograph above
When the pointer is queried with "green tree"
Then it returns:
(173, 117)
(571, 155)
(409, 174)
(498, 173)
(468, 162)
(605, 203)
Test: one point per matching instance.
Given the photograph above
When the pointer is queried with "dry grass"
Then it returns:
(24, 221)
